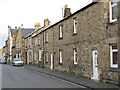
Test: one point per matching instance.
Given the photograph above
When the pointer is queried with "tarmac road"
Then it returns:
(20, 77)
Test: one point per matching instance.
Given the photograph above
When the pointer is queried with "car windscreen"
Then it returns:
(2, 60)
(17, 60)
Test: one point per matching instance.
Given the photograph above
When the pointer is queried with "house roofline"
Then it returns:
(82, 9)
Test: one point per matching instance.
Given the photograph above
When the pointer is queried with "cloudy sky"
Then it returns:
(27, 12)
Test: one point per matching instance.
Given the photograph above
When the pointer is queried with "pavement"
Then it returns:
(88, 83)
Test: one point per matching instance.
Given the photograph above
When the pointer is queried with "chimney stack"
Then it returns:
(16, 27)
(9, 27)
(67, 11)
(46, 22)
(21, 26)
(37, 25)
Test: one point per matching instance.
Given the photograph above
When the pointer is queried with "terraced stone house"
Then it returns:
(33, 43)
(84, 43)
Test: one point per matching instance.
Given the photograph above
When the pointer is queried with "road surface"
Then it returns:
(20, 77)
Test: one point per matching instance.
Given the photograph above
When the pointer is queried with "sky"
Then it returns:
(27, 12)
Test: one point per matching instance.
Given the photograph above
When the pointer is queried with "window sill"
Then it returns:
(74, 34)
(46, 62)
(113, 22)
(75, 63)
(46, 42)
(113, 69)
(60, 38)
(60, 63)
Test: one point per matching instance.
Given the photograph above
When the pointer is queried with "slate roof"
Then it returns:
(26, 31)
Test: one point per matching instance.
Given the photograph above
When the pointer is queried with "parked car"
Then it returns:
(18, 62)
(2, 61)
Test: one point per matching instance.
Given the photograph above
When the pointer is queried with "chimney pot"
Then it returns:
(37, 25)
(21, 26)
(16, 27)
(66, 6)
(67, 11)
(46, 22)
(9, 26)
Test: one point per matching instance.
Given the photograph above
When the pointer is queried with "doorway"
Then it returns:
(95, 65)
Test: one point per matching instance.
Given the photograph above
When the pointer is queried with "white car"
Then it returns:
(18, 62)
(3, 61)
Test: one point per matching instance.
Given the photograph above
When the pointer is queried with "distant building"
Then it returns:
(16, 43)
(1, 53)
(33, 41)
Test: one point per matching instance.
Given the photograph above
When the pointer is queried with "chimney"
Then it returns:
(21, 26)
(9, 27)
(16, 27)
(46, 22)
(67, 11)
(37, 25)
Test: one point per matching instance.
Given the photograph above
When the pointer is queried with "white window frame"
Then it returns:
(46, 57)
(60, 31)
(40, 55)
(111, 6)
(75, 26)
(39, 40)
(111, 57)
(75, 56)
(19, 55)
(28, 42)
(60, 56)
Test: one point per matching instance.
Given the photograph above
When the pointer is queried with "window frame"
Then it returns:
(40, 55)
(111, 57)
(46, 57)
(60, 31)
(46, 37)
(75, 56)
(60, 57)
(39, 41)
(111, 6)
(75, 25)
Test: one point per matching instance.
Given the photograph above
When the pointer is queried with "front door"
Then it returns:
(95, 65)
(51, 60)
(26, 57)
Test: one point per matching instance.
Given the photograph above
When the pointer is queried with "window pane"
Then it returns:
(46, 57)
(114, 46)
(60, 31)
(112, 2)
(114, 12)
(75, 56)
(39, 40)
(75, 26)
(60, 56)
(114, 57)
(46, 36)
(40, 55)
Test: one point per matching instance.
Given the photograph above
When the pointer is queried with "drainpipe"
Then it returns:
(119, 43)
(43, 52)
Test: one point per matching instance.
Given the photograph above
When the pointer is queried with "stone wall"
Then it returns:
(119, 39)
(94, 32)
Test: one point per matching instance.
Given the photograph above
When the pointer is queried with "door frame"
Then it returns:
(95, 64)
(51, 60)
(26, 58)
